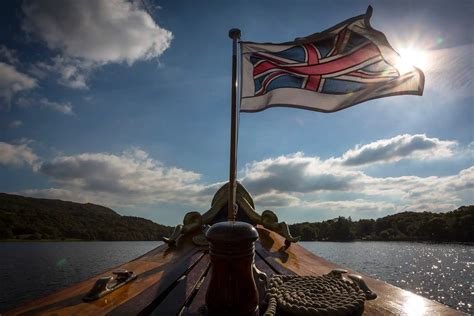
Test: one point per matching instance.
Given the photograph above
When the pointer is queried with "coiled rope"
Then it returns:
(328, 294)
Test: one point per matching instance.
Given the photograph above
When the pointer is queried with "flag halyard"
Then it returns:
(329, 71)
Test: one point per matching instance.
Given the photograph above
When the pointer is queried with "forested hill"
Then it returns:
(454, 226)
(30, 218)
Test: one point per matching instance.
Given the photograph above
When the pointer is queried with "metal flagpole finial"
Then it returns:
(234, 33)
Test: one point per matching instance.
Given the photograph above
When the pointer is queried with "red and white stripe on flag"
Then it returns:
(345, 65)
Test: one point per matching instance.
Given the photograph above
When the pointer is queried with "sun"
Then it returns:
(412, 57)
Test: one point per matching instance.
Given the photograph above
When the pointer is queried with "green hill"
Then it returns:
(31, 218)
(454, 226)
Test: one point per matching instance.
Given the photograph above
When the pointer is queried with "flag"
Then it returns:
(329, 71)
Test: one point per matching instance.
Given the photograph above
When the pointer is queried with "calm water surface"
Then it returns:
(30, 270)
(443, 272)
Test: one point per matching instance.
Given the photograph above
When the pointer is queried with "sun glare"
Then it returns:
(410, 57)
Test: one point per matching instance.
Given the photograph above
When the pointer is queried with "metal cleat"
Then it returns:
(108, 284)
(357, 279)
(337, 273)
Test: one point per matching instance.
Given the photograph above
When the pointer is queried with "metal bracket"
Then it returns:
(357, 279)
(369, 294)
(337, 273)
(108, 284)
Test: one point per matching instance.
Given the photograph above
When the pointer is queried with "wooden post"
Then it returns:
(232, 290)
(232, 206)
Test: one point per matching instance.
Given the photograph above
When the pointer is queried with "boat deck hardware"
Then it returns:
(369, 294)
(337, 273)
(108, 284)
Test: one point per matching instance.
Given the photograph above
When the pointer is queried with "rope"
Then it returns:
(314, 295)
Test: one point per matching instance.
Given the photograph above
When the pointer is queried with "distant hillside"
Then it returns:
(30, 218)
(454, 226)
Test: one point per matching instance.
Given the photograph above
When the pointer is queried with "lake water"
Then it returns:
(30, 270)
(443, 272)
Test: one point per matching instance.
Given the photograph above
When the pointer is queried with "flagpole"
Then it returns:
(234, 34)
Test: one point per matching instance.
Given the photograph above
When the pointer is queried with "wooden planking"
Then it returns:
(150, 255)
(154, 294)
(271, 252)
(263, 266)
(150, 268)
(178, 296)
(391, 300)
(69, 301)
(195, 306)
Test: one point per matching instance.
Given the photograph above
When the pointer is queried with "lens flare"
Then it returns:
(62, 263)
(411, 57)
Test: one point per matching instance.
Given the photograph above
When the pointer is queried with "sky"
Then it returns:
(127, 104)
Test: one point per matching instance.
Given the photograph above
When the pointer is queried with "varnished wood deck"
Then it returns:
(174, 281)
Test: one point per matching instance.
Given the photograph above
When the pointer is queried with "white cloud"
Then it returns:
(12, 82)
(17, 155)
(401, 193)
(15, 124)
(428, 190)
(72, 72)
(62, 107)
(302, 174)
(295, 173)
(65, 107)
(130, 178)
(24, 102)
(398, 148)
(298, 181)
(437, 207)
(277, 199)
(8, 55)
(357, 205)
(92, 33)
(55, 193)
(464, 181)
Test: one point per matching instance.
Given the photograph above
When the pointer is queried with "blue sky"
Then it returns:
(126, 105)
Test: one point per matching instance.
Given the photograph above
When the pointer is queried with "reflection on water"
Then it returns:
(442, 272)
(30, 270)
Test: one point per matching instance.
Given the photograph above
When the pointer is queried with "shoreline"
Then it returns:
(63, 240)
(396, 240)
(338, 241)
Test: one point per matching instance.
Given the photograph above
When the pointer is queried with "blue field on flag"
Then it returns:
(328, 71)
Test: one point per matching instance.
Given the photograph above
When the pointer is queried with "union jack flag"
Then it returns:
(329, 71)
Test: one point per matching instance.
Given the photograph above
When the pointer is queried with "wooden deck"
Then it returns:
(174, 281)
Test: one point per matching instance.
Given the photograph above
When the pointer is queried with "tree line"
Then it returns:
(454, 226)
(30, 218)
(35, 219)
